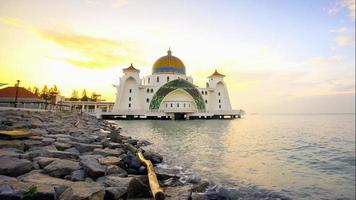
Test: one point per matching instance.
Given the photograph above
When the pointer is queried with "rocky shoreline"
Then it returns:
(69, 156)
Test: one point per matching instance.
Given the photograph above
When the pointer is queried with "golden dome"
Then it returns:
(168, 64)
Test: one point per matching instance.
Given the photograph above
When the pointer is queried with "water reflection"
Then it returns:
(299, 156)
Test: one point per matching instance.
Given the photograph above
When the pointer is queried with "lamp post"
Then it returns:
(17, 92)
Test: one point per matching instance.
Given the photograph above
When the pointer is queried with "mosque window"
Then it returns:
(157, 79)
(129, 105)
(219, 100)
(219, 93)
(184, 105)
(129, 98)
(177, 105)
(167, 78)
(171, 105)
(206, 92)
(151, 90)
(202, 92)
(149, 80)
(166, 105)
(130, 90)
(147, 100)
(148, 90)
(189, 105)
(206, 101)
(219, 106)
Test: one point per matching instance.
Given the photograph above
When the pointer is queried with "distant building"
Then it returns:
(169, 93)
(25, 98)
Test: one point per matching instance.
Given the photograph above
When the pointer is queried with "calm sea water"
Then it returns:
(297, 156)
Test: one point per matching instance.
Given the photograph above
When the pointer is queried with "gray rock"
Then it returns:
(115, 181)
(48, 141)
(61, 154)
(92, 167)
(14, 166)
(109, 160)
(108, 152)
(113, 193)
(83, 191)
(60, 168)
(77, 175)
(138, 188)
(44, 161)
(164, 173)
(36, 177)
(201, 186)
(17, 144)
(62, 146)
(113, 169)
(179, 192)
(10, 152)
(153, 157)
(129, 162)
(83, 147)
(72, 150)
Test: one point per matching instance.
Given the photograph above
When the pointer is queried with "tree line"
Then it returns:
(48, 93)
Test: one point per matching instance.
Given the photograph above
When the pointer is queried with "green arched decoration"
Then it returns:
(173, 85)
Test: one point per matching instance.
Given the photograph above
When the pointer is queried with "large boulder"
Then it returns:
(139, 188)
(10, 152)
(62, 146)
(78, 175)
(115, 181)
(92, 167)
(153, 157)
(166, 173)
(113, 193)
(14, 167)
(60, 168)
(83, 191)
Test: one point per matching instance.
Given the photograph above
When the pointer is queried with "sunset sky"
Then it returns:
(279, 56)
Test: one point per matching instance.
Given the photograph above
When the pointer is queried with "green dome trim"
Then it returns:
(173, 85)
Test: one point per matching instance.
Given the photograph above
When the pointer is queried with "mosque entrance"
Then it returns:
(180, 116)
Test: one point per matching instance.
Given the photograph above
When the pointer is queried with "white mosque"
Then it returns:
(168, 93)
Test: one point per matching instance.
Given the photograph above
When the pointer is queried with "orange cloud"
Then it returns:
(93, 52)
(83, 50)
(345, 40)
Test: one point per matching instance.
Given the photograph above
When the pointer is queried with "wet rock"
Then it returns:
(113, 145)
(129, 162)
(179, 192)
(201, 186)
(60, 168)
(113, 193)
(83, 147)
(138, 188)
(92, 167)
(83, 191)
(77, 175)
(115, 136)
(165, 173)
(13, 166)
(108, 152)
(153, 157)
(109, 160)
(62, 146)
(172, 182)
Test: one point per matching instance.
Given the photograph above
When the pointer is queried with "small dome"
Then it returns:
(168, 64)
